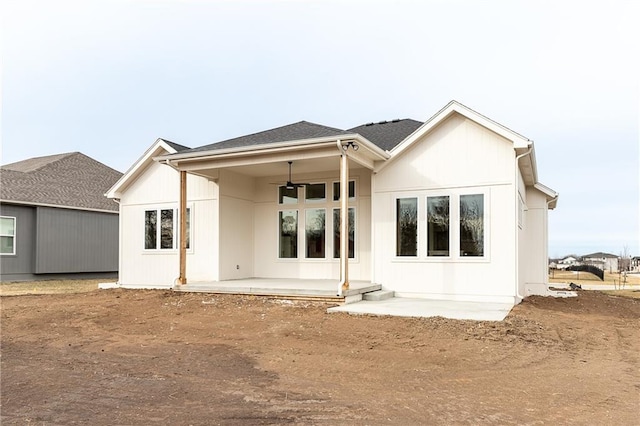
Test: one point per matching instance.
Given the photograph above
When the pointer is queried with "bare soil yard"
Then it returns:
(133, 357)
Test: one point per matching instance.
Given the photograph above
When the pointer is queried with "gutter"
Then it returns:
(277, 146)
(515, 219)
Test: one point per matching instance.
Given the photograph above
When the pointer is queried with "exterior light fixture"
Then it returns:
(351, 144)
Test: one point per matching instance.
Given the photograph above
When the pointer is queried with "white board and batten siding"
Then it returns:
(456, 158)
(159, 188)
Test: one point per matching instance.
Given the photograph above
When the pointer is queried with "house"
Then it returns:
(55, 220)
(568, 261)
(450, 208)
(604, 261)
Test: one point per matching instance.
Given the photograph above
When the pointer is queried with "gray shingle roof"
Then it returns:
(599, 255)
(70, 180)
(291, 132)
(176, 146)
(387, 134)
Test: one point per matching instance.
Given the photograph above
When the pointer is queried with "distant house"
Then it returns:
(635, 264)
(605, 261)
(567, 262)
(450, 208)
(54, 218)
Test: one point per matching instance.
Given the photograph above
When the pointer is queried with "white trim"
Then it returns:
(454, 227)
(355, 190)
(14, 236)
(326, 245)
(299, 144)
(355, 258)
(322, 201)
(552, 196)
(176, 231)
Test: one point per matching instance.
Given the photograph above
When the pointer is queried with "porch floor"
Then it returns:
(282, 287)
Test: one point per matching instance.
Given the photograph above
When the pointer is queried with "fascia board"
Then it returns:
(138, 166)
(552, 196)
(253, 150)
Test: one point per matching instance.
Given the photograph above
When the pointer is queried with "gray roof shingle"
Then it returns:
(387, 134)
(69, 180)
(291, 132)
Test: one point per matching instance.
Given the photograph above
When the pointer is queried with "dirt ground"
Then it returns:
(130, 357)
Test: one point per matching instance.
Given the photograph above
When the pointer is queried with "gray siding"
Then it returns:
(74, 241)
(24, 259)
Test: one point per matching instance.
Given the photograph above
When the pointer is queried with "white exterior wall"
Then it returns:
(267, 262)
(159, 187)
(236, 225)
(458, 157)
(534, 265)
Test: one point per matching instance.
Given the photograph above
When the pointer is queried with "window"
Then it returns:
(336, 190)
(288, 240)
(163, 237)
(472, 225)
(7, 235)
(438, 226)
(315, 193)
(407, 227)
(315, 220)
(287, 195)
(351, 230)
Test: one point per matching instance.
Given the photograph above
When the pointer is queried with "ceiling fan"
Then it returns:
(289, 184)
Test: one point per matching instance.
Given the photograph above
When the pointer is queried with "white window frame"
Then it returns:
(419, 226)
(176, 229)
(322, 201)
(351, 199)
(355, 233)
(454, 226)
(15, 232)
(326, 242)
(452, 218)
(297, 209)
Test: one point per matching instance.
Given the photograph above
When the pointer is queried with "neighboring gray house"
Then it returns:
(606, 261)
(55, 220)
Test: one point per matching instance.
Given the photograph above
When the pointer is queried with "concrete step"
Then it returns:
(378, 295)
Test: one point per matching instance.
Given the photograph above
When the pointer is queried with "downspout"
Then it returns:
(515, 218)
(546, 233)
(344, 218)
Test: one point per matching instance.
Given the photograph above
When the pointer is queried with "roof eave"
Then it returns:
(57, 206)
(294, 145)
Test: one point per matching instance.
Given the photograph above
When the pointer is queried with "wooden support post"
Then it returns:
(182, 232)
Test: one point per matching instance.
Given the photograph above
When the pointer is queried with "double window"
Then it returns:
(470, 218)
(314, 207)
(160, 229)
(7, 235)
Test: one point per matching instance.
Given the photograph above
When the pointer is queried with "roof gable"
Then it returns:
(71, 180)
(454, 107)
(159, 147)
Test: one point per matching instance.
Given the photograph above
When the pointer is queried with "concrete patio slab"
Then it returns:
(406, 307)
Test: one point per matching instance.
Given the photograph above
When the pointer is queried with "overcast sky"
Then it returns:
(107, 78)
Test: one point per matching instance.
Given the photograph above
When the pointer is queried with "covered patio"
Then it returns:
(274, 234)
(315, 289)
